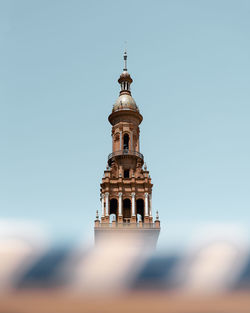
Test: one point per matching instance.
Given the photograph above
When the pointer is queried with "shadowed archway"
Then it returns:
(126, 208)
(113, 209)
(126, 142)
(140, 210)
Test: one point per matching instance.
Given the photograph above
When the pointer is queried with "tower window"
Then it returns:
(126, 173)
(113, 206)
(126, 208)
(126, 142)
(140, 210)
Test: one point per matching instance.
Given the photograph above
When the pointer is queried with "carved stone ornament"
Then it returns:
(117, 137)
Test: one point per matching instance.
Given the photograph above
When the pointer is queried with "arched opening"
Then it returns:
(126, 209)
(113, 210)
(140, 210)
(126, 173)
(126, 142)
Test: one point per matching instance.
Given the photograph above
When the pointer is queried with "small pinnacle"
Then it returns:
(125, 60)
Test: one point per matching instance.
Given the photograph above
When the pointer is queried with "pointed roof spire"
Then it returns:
(125, 100)
(125, 60)
(125, 80)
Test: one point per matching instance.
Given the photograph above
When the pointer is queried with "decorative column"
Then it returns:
(102, 205)
(150, 208)
(131, 141)
(107, 206)
(146, 208)
(120, 140)
(120, 207)
(133, 207)
(150, 204)
(138, 140)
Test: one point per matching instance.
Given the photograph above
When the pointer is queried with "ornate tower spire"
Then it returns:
(125, 80)
(125, 60)
(126, 188)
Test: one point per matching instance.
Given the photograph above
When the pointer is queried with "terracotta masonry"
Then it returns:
(126, 187)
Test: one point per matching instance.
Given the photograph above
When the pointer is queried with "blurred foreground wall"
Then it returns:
(119, 275)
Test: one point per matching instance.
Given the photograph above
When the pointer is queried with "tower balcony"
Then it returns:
(125, 152)
(125, 224)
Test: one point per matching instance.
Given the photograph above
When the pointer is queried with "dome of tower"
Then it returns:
(125, 76)
(125, 102)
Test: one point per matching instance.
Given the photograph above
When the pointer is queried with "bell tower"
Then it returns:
(126, 187)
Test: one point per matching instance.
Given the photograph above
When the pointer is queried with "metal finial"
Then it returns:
(97, 215)
(145, 166)
(125, 60)
(157, 215)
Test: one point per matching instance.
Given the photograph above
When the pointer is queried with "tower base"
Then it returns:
(134, 233)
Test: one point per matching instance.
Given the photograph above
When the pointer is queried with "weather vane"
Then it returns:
(125, 56)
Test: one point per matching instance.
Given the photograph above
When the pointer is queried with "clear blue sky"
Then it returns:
(59, 64)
